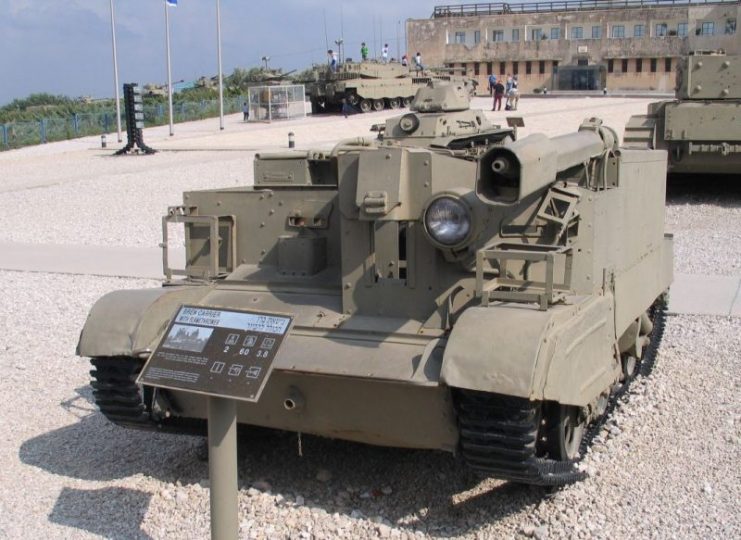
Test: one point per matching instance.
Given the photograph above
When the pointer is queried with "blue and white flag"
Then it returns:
(173, 3)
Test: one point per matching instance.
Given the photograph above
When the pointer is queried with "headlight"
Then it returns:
(448, 221)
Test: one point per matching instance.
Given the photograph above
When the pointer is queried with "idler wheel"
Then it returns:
(566, 432)
(353, 99)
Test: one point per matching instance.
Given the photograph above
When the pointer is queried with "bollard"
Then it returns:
(103, 141)
(291, 140)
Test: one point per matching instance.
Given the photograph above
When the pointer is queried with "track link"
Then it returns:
(499, 435)
(127, 404)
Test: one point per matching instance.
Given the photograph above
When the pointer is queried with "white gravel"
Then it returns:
(666, 466)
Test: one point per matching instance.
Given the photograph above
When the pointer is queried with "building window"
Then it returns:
(515, 68)
(596, 32)
(610, 65)
(515, 34)
(582, 61)
(624, 66)
(577, 32)
(639, 30)
(477, 37)
(460, 37)
(555, 33)
(618, 31)
(639, 65)
(502, 68)
(528, 67)
(497, 35)
(536, 34)
(667, 65)
(707, 28)
(653, 65)
(682, 29)
(541, 67)
(489, 67)
(555, 66)
(730, 26)
(661, 30)
(476, 68)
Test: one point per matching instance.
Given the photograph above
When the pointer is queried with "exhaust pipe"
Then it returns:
(294, 401)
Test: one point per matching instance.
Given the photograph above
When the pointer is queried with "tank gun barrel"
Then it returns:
(510, 173)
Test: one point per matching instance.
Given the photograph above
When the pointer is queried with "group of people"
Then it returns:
(334, 60)
(499, 89)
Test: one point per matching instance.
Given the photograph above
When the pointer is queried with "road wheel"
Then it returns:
(394, 103)
(353, 99)
(378, 105)
(366, 105)
(406, 101)
(566, 432)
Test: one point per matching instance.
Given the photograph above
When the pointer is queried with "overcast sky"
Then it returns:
(64, 46)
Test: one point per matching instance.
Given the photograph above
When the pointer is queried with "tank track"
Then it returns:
(127, 404)
(499, 434)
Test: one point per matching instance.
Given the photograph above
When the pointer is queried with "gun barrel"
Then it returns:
(510, 173)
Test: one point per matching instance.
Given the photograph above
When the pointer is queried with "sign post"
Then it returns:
(222, 468)
(227, 355)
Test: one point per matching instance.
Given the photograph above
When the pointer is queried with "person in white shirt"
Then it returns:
(385, 53)
(418, 62)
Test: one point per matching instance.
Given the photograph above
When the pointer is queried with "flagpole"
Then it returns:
(115, 74)
(221, 77)
(169, 67)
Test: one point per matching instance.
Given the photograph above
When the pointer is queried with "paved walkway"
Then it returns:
(690, 294)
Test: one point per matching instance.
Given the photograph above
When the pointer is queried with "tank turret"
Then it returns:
(701, 127)
(441, 116)
(490, 300)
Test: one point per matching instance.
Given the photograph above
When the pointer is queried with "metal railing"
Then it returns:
(503, 8)
(58, 128)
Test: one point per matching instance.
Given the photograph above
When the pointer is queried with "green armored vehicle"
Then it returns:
(701, 128)
(450, 289)
(371, 86)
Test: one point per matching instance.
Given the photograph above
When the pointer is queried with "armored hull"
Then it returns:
(487, 297)
(701, 128)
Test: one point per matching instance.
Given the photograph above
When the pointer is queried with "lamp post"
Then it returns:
(221, 76)
(115, 73)
(340, 42)
(265, 59)
(169, 67)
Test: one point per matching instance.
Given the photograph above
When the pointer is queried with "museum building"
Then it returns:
(574, 44)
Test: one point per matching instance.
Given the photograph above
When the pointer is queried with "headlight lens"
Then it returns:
(448, 221)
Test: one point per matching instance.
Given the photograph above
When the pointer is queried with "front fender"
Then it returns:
(564, 354)
(125, 323)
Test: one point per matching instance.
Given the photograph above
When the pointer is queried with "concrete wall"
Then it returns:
(435, 39)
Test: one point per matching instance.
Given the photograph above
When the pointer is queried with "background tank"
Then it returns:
(486, 300)
(701, 128)
(371, 86)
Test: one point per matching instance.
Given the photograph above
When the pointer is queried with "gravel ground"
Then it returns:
(665, 467)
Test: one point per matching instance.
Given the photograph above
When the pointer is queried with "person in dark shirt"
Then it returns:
(498, 93)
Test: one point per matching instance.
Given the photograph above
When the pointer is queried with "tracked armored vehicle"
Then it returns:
(458, 291)
(701, 128)
(371, 86)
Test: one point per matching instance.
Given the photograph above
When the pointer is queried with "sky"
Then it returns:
(64, 46)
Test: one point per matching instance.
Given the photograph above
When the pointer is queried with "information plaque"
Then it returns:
(217, 352)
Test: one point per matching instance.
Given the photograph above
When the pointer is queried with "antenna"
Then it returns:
(326, 39)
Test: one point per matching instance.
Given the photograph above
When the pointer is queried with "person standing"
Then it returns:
(332, 60)
(492, 82)
(418, 62)
(498, 93)
(513, 96)
(385, 53)
(364, 51)
(404, 61)
(245, 111)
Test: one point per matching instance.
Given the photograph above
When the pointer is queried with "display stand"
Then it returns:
(227, 355)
